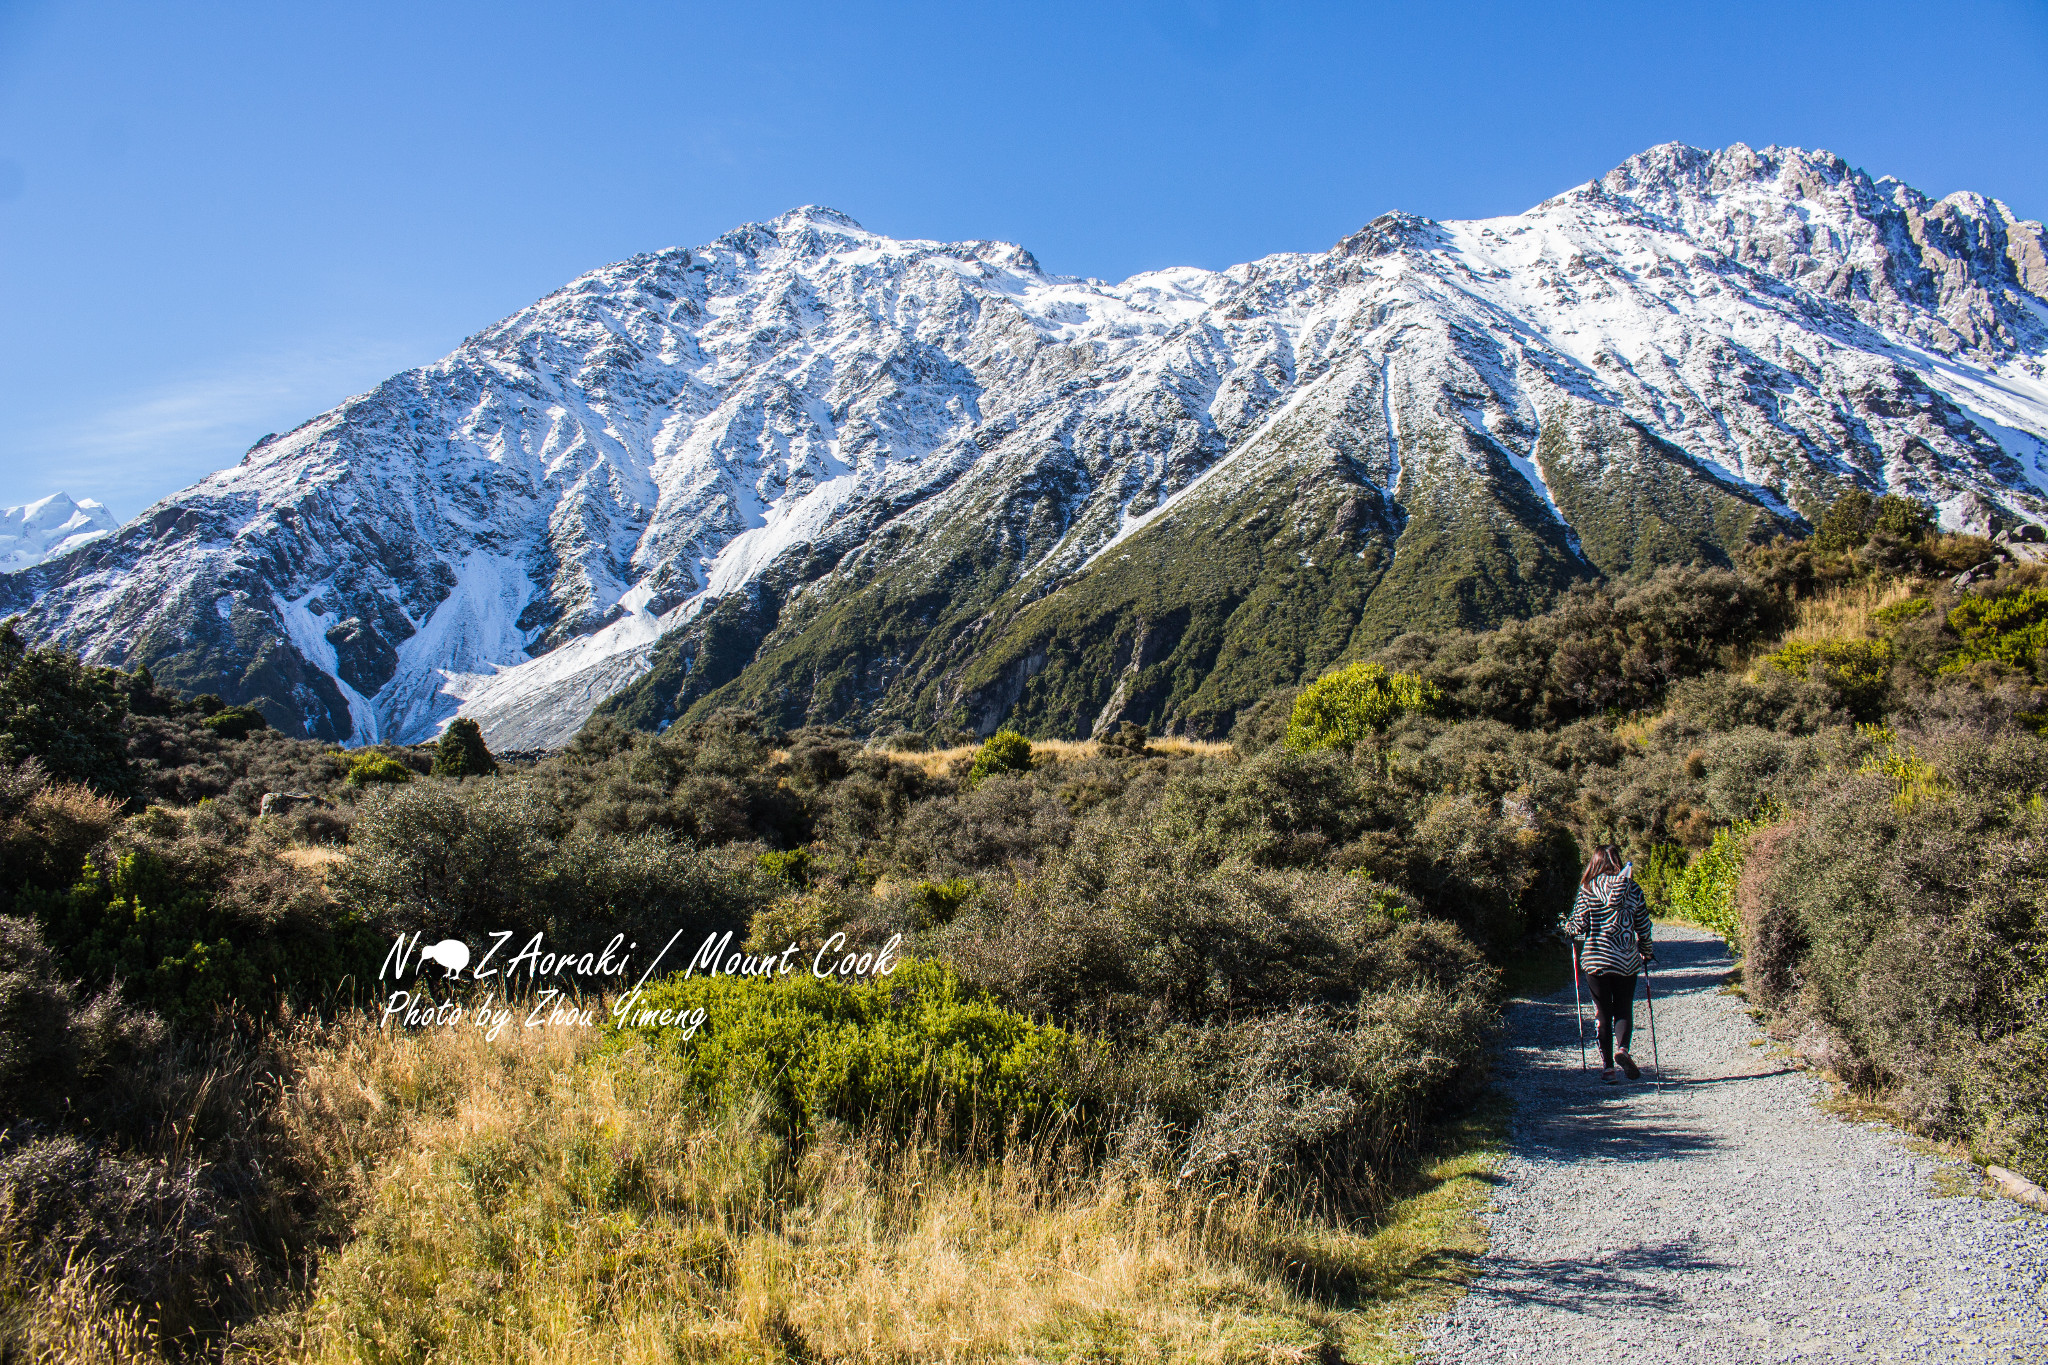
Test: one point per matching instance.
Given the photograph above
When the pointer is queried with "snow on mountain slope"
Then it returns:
(803, 410)
(49, 527)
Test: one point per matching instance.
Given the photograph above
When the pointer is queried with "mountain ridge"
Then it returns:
(903, 483)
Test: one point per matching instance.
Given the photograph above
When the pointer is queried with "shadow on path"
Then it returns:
(1618, 1279)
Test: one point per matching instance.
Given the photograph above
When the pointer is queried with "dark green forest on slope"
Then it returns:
(1147, 979)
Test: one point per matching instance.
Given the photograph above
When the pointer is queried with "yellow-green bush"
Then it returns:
(2010, 629)
(1857, 670)
(365, 768)
(901, 1050)
(1005, 751)
(1704, 893)
(1341, 709)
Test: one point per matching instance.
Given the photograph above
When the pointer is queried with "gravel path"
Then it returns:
(1722, 1216)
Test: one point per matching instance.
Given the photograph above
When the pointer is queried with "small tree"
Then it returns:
(1340, 710)
(1005, 751)
(461, 752)
(1906, 518)
(66, 715)
(1128, 740)
(1846, 523)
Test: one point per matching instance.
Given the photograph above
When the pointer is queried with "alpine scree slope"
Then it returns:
(904, 483)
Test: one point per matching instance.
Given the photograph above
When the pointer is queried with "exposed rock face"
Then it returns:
(899, 482)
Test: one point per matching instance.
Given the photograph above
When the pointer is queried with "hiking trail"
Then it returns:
(1724, 1216)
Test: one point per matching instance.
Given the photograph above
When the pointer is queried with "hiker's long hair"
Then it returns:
(1606, 859)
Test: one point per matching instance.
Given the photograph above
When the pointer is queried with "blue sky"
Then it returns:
(217, 220)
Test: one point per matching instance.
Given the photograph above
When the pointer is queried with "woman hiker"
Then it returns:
(1610, 922)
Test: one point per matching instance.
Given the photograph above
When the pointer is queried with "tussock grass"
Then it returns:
(1845, 612)
(543, 1198)
(941, 762)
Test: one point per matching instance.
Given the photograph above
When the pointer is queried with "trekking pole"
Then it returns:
(1578, 1012)
(1650, 1000)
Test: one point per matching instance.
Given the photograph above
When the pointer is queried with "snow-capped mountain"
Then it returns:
(841, 476)
(48, 527)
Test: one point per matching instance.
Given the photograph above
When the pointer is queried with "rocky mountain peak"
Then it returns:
(841, 476)
(50, 527)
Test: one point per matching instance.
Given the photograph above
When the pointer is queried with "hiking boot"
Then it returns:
(1628, 1065)
(1607, 1075)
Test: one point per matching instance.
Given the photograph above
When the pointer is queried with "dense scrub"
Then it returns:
(1254, 977)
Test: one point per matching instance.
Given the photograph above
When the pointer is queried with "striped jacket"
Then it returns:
(1612, 921)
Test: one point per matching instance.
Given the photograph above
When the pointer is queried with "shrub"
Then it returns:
(46, 830)
(1343, 709)
(65, 716)
(1856, 670)
(2009, 628)
(939, 903)
(364, 769)
(1128, 740)
(1283, 808)
(461, 751)
(1704, 893)
(1005, 751)
(235, 722)
(478, 858)
(1658, 874)
(1005, 821)
(1906, 518)
(1898, 613)
(188, 927)
(1913, 937)
(1846, 523)
(907, 1051)
(792, 869)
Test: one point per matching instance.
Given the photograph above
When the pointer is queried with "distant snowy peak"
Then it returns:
(49, 527)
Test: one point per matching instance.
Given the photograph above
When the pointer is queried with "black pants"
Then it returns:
(1614, 1004)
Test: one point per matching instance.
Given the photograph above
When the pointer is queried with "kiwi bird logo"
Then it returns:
(451, 953)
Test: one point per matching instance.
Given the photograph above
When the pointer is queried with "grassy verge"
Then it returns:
(546, 1198)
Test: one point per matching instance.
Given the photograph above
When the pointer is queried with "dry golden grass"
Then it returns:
(936, 762)
(541, 1199)
(940, 762)
(1192, 748)
(78, 1321)
(317, 861)
(1846, 612)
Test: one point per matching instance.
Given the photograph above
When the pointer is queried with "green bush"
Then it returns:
(461, 751)
(1906, 518)
(478, 857)
(365, 769)
(907, 1051)
(188, 928)
(2010, 628)
(1659, 874)
(1899, 613)
(939, 903)
(235, 722)
(1846, 523)
(66, 716)
(1343, 709)
(1916, 942)
(1858, 671)
(1704, 893)
(791, 868)
(1005, 751)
